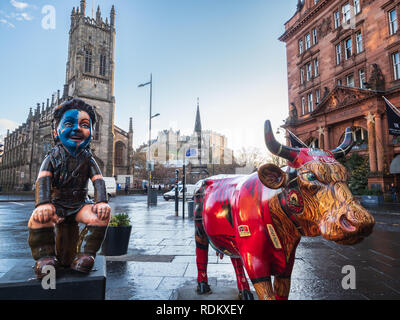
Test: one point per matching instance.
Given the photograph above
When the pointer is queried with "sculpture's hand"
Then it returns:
(44, 213)
(102, 210)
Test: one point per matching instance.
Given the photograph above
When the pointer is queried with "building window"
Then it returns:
(396, 65)
(393, 21)
(119, 154)
(301, 75)
(348, 48)
(316, 67)
(310, 102)
(339, 82)
(346, 12)
(361, 74)
(315, 36)
(88, 60)
(301, 47)
(317, 96)
(336, 18)
(303, 106)
(338, 54)
(357, 7)
(350, 80)
(309, 72)
(103, 65)
(359, 42)
(308, 41)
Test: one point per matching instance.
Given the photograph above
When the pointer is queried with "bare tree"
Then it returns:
(251, 157)
(278, 161)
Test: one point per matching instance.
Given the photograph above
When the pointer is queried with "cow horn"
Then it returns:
(346, 145)
(275, 147)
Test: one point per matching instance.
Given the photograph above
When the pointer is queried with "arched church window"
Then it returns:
(88, 60)
(103, 64)
(119, 154)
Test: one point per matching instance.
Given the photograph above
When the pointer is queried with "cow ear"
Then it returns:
(271, 176)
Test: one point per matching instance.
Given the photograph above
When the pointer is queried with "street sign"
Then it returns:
(191, 153)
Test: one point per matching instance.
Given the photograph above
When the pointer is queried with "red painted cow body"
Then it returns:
(258, 220)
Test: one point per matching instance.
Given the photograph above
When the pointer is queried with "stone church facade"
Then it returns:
(89, 76)
(342, 57)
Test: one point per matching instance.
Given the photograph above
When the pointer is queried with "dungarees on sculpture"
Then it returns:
(258, 220)
(61, 195)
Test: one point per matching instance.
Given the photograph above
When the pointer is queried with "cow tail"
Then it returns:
(200, 236)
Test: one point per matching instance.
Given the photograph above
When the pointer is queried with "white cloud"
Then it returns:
(23, 16)
(5, 22)
(19, 5)
(7, 124)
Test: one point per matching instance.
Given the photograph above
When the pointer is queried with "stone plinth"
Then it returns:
(20, 283)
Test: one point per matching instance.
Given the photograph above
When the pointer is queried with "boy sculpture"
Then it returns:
(61, 195)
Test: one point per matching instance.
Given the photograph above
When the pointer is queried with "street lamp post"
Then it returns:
(151, 116)
(183, 179)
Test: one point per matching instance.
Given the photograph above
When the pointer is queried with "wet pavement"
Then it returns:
(161, 258)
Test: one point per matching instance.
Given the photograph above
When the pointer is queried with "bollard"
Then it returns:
(176, 192)
(152, 197)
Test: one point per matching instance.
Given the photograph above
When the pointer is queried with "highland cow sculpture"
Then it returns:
(258, 220)
(61, 195)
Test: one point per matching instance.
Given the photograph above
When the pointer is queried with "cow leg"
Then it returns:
(282, 288)
(201, 258)
(264, 290)
(243, 285)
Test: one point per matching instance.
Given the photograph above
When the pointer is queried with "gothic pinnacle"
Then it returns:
(98, 14)
(83, 7)
(112, 16)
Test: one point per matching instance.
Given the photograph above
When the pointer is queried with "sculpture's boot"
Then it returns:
(42, 244)
(67, 237)
(90, 242)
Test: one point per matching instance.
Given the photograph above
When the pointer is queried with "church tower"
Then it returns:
(90, 76)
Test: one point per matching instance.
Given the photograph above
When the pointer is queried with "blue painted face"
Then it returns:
(75, 131)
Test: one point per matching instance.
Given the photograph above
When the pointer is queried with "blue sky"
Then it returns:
(226, 52)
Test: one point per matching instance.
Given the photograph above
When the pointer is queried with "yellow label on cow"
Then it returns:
(274, 236)
(244, 231)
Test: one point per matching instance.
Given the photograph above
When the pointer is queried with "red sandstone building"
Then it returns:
(343, 56)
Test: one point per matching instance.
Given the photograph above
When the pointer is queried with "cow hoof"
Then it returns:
(203, 288)
(246, 295)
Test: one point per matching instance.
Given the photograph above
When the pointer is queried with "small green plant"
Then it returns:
(120, 220)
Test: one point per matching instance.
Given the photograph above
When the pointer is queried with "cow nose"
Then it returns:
(357, 221)
(346, 224)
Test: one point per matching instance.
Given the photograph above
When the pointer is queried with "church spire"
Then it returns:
(197, 126)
